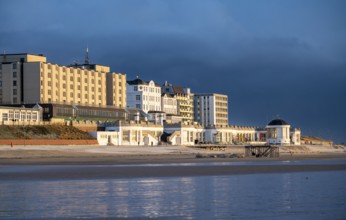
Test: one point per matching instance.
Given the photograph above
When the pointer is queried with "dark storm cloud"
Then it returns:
(270, 57)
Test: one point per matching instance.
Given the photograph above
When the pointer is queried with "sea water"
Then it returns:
(302, 195)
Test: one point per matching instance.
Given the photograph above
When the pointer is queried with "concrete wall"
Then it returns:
(48, 142)
(32, 87)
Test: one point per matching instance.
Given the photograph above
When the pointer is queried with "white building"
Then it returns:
(193, 133)
(278, 132)
(11, 115)
(211, 109)
(183, 134)
(143, 95)
(130, 133)
(169, 104)
(295, 136)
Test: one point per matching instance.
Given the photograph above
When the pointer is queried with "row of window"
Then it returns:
(221, 109)
(19, 116)
(50, 100)
(71, 70)
(220, 98)
(221, 104)
(72, 86)
(78, 79)
(147, 89)
(219, 121)
(221, 115)
(14, 66)
(14, 83)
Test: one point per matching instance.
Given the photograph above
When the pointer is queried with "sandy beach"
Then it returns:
(87, 162)
(48, 154)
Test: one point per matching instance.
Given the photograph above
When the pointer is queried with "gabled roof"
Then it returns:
(178, 90)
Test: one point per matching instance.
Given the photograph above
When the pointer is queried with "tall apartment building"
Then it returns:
(184, 98)
(211, 109)
(28, 78)
(143, 95)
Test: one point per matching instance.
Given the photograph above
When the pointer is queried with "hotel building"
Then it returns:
(211, 109)
(28, 78)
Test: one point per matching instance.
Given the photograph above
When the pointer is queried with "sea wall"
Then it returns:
(48, 142)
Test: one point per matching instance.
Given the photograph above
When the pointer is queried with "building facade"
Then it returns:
(116, 90)
(184, 100)
(211, 109)
(28, 78)
(19, 114)
(169, 104)
(278, 132)
(143, 95)
(130, 133)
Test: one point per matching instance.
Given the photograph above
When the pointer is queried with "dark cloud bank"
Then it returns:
(267, 63)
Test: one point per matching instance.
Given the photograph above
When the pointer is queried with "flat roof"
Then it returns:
(16, 54)
(209, 94)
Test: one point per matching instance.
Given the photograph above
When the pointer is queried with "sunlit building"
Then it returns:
(142, 95)
(184, 100)
(28, 79)
(211, 109)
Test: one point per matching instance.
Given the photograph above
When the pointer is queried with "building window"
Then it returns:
(4, 117)
(14, 83)
(22, 116)
(119, 83)
(135, 88)
(14, 100)
(71, 78)
(138, 106)
(14, 66)
(14, 74)
(138, 97)
(15, 92)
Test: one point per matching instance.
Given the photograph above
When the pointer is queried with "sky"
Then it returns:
(271, 57)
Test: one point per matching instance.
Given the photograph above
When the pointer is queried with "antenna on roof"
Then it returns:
(87, 55)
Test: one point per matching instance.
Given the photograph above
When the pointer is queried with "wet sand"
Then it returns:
(85, 162)
(105, 172)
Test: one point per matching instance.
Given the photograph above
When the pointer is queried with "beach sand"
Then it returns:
(90, 162)
(147, 154)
